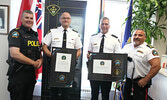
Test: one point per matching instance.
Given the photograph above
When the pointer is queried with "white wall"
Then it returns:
(4, 94)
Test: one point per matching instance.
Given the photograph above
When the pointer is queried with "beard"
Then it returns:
(136, 42)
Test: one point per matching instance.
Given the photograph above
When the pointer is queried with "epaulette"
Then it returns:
(48, 32)
(17, 28)
(74, 30)
(150, 46)
(54, 27)
(94, 34)
(114, 36)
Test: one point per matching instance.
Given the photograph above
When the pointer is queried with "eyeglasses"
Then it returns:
(68, 18)
(104, 24)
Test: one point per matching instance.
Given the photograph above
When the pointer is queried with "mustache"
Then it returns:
(136, 39)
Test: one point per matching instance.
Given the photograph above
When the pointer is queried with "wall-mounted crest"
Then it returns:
(53, 9)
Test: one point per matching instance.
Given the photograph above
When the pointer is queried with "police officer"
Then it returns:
(144, 65)
(55, 38)
(102, 42)
(24, 58)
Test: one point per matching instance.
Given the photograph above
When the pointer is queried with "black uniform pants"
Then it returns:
(139, 92)
(21, 84)
(105, 89)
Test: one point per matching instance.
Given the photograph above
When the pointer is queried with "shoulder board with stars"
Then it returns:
(114, 36)
(150, 46)
(94, 34)
(74, 30)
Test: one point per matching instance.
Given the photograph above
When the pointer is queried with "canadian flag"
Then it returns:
(36, 7)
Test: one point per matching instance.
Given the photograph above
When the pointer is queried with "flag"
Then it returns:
(101, 14)
(25, 5)
(36, 7)
(127, 33)
(38, 18)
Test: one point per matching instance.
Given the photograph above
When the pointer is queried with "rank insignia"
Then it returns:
(140, 51)
(63, 57)
(155, 53)
(102, 63)
(53, 9)
(117, 63)
(56, 38)
(15, 34)
(95, 44)
(61, 77)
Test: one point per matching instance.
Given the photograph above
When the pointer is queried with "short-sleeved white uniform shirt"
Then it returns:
(55, 38)
(111, 43)
(140, 56)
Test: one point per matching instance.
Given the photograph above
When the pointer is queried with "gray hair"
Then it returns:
(26, 11)
(105, 18)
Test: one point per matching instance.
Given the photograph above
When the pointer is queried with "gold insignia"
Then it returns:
(150, 46)
(140, 51)
(17, 28)
(154, 52)
(53, 9)
(48, 32)
(117, 72)
(95, 44)
(56, 38)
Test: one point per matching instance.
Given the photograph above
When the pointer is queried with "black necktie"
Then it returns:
(64, 39)
(102, 43)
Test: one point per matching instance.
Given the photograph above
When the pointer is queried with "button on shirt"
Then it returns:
(55, 38)
(140, 55)
(111, 44)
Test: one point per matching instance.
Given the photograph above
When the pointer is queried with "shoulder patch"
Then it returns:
(150, 46)
(154, 52)
(15, 34)
(94, 34)
(114, 36)
(74, 30)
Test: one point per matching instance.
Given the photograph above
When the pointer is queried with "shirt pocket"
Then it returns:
(139, 54)
(95, 47)
(71, 43)
(109, 48)
(56, 43)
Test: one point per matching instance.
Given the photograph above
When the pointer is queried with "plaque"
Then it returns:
(63, 62)
(107, 66)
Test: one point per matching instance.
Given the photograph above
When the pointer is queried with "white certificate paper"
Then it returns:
(102, 66)
(63, 62)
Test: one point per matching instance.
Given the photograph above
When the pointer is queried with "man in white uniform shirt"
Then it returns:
(55, 38)
(144, 65)
(110, 45)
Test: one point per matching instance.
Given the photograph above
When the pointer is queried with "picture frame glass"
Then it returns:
(4, 26)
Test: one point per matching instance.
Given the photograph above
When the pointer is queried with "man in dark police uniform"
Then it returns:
(24, 58)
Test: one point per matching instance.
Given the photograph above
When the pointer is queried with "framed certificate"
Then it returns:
(63, 62)
(107, 66)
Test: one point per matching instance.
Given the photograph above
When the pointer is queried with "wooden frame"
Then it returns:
(4, 19)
